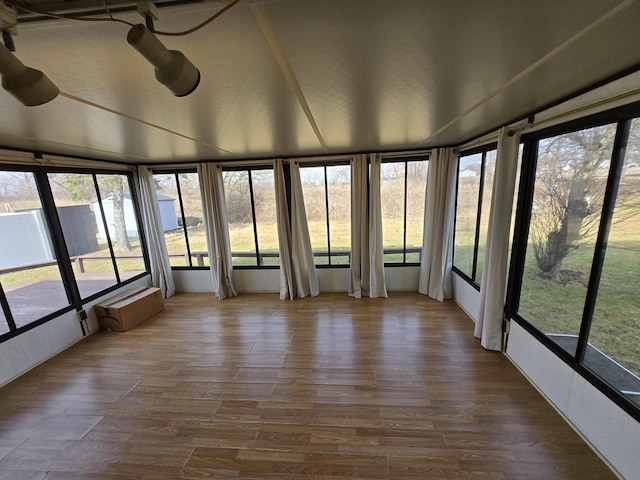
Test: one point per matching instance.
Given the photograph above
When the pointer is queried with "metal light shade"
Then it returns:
(173, 69)
(30, 86)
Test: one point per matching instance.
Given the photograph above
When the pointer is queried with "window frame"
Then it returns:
(176, 172)
(622, 116)
(484, 150)
(59, 246)
(324, 164)
(405, 159)
(258, 256)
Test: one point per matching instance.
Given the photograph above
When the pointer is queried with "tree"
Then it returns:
(571, 180)
(80, 187)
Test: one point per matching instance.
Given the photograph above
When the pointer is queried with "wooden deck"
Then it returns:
(35, 300)
(253, 387)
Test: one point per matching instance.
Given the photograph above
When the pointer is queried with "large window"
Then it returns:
(327, 200)
(65, 238)
(180, 207)
(30, 276)
(251, 215)
(577, 250)
(403, 185)
(473, 201)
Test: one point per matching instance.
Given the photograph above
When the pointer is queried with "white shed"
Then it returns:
(166, 206)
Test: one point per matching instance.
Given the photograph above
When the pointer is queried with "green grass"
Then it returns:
(556, 306)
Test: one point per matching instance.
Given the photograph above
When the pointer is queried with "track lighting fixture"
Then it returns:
(30, 86)
(172, 68)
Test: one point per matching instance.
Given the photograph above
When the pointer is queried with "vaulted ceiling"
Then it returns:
(311, 77)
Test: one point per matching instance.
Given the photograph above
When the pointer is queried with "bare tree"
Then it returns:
(571, 180)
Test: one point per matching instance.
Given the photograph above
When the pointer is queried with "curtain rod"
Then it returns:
(493, 137)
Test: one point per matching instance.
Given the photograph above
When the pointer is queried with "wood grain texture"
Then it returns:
(253, 387)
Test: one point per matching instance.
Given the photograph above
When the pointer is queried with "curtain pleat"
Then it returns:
(216, 226)
(161, 274)
(366, 277)
(494, 272)
(298, 276)
(439, 212)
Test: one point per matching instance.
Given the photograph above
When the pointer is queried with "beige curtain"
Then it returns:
(216, 226)
(437, 244)
(494, 272)
(366, 277)
(298, 276)
(161, 274)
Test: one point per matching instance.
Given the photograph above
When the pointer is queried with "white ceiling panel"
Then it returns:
(308, 77)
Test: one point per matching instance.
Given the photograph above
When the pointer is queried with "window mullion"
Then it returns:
(608, 207)
(58, 242)
(7, 311)
(106, 227)
(476, 241)
(184, 220)
(326, 205)
(404, 219)
(253, 218)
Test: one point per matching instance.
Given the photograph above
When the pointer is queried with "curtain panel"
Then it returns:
(366, 277)
(439, 214)
(216, 226)
(298, 276)
(161, 274)
(494, 272)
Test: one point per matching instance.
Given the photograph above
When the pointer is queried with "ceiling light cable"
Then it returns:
(111, 18)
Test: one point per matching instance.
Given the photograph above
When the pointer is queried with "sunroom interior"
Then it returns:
(485, 152)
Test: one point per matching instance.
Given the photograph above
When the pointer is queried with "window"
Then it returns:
(403, 185)
(573, 281)
(251, 214)
(30, 276)
(473, 203)
(180, 207)
(327, 201)
(615, 328)
(65, 238)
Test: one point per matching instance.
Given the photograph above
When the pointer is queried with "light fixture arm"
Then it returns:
(30, 86)
(172, 68)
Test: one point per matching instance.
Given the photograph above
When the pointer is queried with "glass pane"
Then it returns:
(339, 195)
(4, 326)
(392, 193)
(613, 351)
(312, 179)
(192, 203)
(238, 199)
(469, 168)
(487, 188)
(264, 198)
(121, 218)
(169, 206)
(416, 187)
(571, 176)
(29, 272)
(83, 229)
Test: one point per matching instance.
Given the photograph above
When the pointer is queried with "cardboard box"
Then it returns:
(125, 311)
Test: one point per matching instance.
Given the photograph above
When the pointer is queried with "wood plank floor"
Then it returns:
(253, 387)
